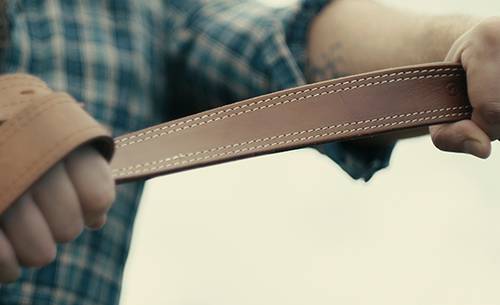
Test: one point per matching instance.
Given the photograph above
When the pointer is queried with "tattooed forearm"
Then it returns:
(326, 65)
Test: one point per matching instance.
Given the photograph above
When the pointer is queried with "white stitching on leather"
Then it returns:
(142, 170)
(291, 94)
(292, 100)
(296, 93)
(182, 155)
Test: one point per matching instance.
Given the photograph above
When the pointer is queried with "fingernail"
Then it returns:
(473, 147)
(98, 224)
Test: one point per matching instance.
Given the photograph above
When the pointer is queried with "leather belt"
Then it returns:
(38, 127)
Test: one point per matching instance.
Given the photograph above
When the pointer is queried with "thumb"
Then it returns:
(463, 136)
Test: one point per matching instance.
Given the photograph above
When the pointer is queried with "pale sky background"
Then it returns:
(293, 229)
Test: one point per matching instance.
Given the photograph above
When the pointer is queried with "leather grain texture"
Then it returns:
(38, 127)
(340, 109)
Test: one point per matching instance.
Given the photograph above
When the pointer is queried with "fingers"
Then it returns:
(93, 183)
(9, 268)
(57, 199)
(479, 52)
(28, 233)
(484, 94)
(80, 190)
(463, 136)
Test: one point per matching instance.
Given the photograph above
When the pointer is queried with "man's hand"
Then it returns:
(76, 192)
(479, 52)
(355, 36)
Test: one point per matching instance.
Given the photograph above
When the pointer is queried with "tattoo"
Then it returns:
(327, 66)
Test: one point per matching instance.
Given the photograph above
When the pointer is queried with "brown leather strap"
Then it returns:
(39, 127)
(338, 109)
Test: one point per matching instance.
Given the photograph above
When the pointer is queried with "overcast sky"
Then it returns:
(294, 229)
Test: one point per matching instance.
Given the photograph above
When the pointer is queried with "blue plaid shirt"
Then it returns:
(135, 63)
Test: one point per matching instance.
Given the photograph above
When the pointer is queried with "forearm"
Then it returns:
(354, 36)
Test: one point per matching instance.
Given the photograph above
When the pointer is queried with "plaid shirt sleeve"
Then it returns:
(225, 51)
(134, 63)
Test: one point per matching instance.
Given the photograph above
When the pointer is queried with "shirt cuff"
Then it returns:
(297, 21)
(358, 163)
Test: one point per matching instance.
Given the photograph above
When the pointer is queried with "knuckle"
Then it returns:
(488, 33)
(68, 232)
(5, 258)
(447, 139)
(98, 224)
(489, 112)
(438, 138)
(10, 274)
(13, 275)
(99, 200)
(41, 258)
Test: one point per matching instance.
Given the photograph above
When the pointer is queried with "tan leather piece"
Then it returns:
(39, 127)
(18, 89)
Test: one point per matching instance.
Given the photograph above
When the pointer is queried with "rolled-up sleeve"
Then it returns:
(221, 51)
